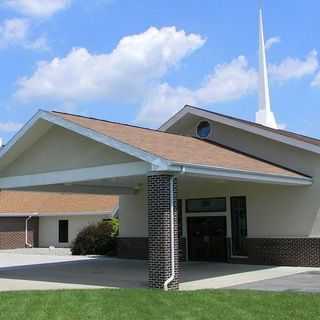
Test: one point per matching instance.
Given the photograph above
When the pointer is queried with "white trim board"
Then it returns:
(143, 168)
(241, 175)
(76, 175)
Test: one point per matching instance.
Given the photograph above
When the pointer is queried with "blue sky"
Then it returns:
(141, 61)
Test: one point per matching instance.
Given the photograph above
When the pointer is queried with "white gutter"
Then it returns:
(27, 244)
(240, 175)
(171, 278)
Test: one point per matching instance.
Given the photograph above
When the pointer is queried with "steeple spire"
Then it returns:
(264, 116)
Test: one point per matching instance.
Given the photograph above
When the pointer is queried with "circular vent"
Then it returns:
(203, 129)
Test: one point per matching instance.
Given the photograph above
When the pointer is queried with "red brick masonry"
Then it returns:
(159, 241)
(12, 232)
(281, 251)
(304, 252)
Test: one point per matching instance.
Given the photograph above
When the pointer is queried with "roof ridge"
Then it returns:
(123, 124)
(258, 125)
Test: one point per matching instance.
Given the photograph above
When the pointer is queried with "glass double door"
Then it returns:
(207, 238)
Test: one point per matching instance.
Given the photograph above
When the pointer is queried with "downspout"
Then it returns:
(27, 244)
(171, 278)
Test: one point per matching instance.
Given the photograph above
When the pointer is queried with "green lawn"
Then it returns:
(148, 304)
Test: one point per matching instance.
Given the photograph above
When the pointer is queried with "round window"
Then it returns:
(203, 129)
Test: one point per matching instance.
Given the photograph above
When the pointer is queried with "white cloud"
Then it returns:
(272, 41)
(294, 68)
(227, 82)
(13, 31)
(9, 127)
(38, 8)
(134, 73)
(16, 32)
(316, 80)
(133, 66)
(162, 102)
(40, 43)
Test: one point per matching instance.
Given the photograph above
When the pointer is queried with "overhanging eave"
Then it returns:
(240, 175)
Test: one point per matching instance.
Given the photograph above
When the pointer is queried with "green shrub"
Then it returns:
(99, 239)
(115, 226)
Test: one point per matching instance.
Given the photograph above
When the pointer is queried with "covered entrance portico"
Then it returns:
(65, 153)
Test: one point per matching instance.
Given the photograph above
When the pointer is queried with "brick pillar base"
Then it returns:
(159, 231)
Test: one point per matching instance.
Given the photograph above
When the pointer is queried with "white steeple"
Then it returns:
(264, 116)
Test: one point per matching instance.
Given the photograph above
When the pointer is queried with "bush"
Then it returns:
(97, 239)
(115, 226)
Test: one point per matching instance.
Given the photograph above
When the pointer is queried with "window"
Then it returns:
(239, 226)
(63, 231)
(203, 129)
(206, 205)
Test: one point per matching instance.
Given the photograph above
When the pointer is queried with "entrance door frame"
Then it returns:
(188, 218)
(231, 239)
(227, 214)
(186, 215)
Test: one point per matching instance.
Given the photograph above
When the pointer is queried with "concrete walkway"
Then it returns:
(300, 282)
(222, 275)
(52, 251)
(41, 272)
(19, 271)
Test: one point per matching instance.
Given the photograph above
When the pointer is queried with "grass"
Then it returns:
(148, 304)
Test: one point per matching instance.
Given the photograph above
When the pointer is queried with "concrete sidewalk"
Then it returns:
(47, 272)
(10, 260)
(52, 251)
(300, 282)
(39, 272)
(224, 275)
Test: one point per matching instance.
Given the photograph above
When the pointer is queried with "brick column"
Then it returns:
(159, 231)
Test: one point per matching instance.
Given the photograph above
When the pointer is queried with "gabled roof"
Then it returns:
(291, 138)
(51, 203)
(155, 151)
(180, 149)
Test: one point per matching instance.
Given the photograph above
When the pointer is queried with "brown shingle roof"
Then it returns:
(178, 148)
(49, 202)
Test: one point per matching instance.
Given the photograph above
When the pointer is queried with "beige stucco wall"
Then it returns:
(51, 150)
(133, 215)
(273, 210)
(49, 228)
